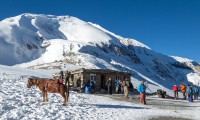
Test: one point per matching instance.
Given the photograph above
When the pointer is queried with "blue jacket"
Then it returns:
(92, 85)
(116, 83)
(189, 91)
(142, 88)
(87, 90)
(195, 90)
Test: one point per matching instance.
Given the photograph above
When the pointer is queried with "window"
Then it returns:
(92, 77)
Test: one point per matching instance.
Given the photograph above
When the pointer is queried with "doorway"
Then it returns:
(103, 82)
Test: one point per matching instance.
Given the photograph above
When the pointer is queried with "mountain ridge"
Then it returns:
(34, 39)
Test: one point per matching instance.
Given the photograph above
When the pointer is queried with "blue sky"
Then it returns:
(171, 27)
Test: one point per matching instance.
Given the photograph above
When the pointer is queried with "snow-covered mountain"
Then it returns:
(47, 41)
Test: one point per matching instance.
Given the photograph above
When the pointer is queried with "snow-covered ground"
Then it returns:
(66, 43)
(19, 102)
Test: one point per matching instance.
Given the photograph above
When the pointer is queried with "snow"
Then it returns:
(194, 78)
(19, 102)
(67, 43)
(180, 59)
(46, 39)
(83, 31)
(125, 41)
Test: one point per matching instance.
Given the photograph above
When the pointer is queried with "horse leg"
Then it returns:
(65, 98)
(62, 92)
(43, 94)
(67, 92)
(46, 96)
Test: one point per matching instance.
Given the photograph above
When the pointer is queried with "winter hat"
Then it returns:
(142, 82)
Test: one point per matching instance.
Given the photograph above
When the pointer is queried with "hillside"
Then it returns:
(60, 42)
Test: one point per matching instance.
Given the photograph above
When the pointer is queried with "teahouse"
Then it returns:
(99, 76)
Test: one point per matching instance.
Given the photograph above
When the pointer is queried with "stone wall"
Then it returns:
(81, 76)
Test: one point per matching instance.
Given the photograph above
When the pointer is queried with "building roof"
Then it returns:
(105, 71)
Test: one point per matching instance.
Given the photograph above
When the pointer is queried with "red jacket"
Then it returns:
(175, 88)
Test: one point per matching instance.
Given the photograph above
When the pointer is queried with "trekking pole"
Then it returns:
(149, 89)
(146, 84)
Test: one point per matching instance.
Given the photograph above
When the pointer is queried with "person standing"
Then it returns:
(87, 87)
(131, 87)
(183, 90)
(109, 85)
(175, 89)
(189, 92)
(61, 77)
(117, 86)
(126, 85)
(92, 86)
(196, 92)
(142, 89)
(122, 88)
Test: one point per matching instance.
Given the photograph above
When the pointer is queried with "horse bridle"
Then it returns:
(30, 83)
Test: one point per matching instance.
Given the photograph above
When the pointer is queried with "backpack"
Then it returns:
(161, 93)
(196, 90)
(189, 91)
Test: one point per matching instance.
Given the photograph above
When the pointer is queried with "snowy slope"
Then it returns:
(43, 41)
(194, 76)
(17, 102)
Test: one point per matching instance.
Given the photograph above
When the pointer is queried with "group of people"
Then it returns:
(189, 91)
(120, 86)
(89, 86)
(125, 86)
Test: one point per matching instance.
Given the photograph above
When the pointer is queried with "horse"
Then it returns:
(50, 86)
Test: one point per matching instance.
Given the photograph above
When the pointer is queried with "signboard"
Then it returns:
(92, 74)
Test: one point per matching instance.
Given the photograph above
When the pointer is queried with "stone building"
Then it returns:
(99, 76)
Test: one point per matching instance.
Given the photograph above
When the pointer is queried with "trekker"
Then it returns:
(82, 87)
(196, 92)
(122, 88)
(87, 87)
(126, 85)
(117, 86)
(183, 90)
(92, 86)
(131, 87)
(175, 89)
(109, 85)
(189, 92)
(60, 81)
(142, 89)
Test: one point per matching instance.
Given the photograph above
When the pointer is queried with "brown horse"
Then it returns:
(51, 86)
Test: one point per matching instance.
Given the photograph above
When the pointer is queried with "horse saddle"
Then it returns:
(52, 85)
